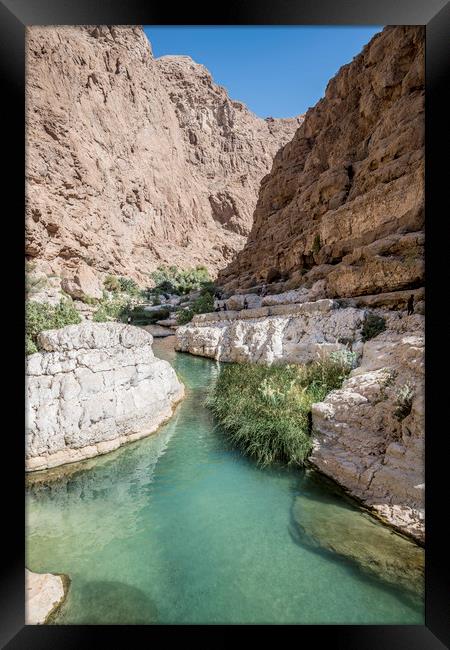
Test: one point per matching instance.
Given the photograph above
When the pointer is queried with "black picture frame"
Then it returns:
(435, 14)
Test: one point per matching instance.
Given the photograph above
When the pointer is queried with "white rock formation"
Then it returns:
(44, 593)
(94, 387)
(369, 436)
(289, 333)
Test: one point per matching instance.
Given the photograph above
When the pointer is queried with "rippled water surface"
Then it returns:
(180, 528)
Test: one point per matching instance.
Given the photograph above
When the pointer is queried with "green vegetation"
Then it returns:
(170, 279)
(139, 316)
(111, 283)
(119, 284)
(403, 401)
(203, 304)
(112, 309)
(40, 316)
(266, 410)
(316, 244)
(373, 325)
(34, 285)
(129, 286)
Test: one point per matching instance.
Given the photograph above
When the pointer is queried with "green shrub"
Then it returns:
(116, 309)
(111, 283)
(373, 325)
(30, 347)
(316, 244)
(170, 279)
(139, 316)
(129, 286)
(42, 316)
(266, 410)
(123, 285)
(203, 305)
(403, 401)
(34, 284)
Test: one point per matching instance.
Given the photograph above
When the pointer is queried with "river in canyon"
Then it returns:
(179, 527)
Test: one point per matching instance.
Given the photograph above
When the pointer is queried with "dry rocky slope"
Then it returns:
(343, 203)
(338, 235)
(94, 387)
(133, 161)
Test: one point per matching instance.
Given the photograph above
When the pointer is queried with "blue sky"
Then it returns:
(276, 71)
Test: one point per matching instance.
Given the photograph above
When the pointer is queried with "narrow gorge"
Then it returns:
(176, 244)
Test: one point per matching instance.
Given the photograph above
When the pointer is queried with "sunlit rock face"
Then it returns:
(286, 333)
(94, 387)
(369, 436)
(44, 593)
(343, 202)
(133, 162)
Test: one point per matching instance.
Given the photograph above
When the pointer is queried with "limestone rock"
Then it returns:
(132, 161)
(44, 593)
(345, 195)
(94, 387)
(369, 435)
(85, 283)
(282, 333)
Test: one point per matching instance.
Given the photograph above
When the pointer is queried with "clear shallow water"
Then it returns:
(180, 528)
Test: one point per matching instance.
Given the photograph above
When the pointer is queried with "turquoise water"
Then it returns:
(180, 528)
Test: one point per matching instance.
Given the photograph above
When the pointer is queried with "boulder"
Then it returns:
(94, 387)
(44, 594)
(84, 284)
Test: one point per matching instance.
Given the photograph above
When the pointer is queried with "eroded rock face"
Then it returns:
(44, 593)
(369, 435)
(343, 203)
(281, 333)
(133, 161)
(95, 387)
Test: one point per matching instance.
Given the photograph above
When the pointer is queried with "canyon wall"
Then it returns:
(343, 203)
(133, 162)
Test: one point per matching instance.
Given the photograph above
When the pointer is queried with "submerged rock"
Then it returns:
(334, 526)
(94, 387)
(44, 594)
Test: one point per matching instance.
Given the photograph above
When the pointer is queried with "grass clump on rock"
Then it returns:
(42, 316)
(266, 410)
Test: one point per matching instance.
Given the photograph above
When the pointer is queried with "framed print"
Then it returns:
(231, 394)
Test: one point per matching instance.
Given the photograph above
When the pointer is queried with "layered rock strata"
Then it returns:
(285, 333)
(44, 594)
(94, 387)
(133, 162)
(343, 203)
(369, 435)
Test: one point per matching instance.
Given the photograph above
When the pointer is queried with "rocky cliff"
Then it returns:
(369, 435)
(133, 161)
(343, 204)
(94, 387)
